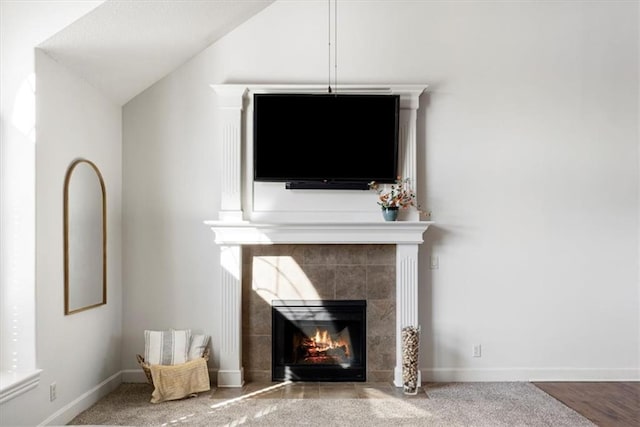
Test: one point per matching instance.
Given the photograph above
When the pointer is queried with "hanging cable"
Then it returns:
(335, 43)
(329, 43)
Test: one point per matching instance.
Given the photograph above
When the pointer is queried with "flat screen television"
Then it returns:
(325, 141)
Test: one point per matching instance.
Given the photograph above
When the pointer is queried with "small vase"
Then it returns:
(390, 213)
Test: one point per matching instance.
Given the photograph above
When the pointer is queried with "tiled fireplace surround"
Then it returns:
(337, 272)
(343, 253)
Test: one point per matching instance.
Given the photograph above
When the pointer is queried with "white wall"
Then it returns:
(23, 25)
(169, 188)
(81, 351)
(528, 161)
(75, 121)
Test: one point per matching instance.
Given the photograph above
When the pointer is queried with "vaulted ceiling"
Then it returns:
(124, 46)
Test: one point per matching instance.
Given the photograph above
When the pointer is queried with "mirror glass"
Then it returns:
(85, 238)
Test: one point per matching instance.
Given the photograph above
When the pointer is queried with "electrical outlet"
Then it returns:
(477, 350)
(52, 392)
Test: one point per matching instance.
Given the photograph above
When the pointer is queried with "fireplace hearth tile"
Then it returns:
(342, 391)
(380, 376)
(351, 282)
(293, 391)
(375, 390)
(381, 255)
(310, 390)
(320, 254)
(264, 390)
(257, 319)
(381, 318)
(257, 354)
(350, 255)
(381, 281)
(323, 279)
(380, 355)
(254, 375)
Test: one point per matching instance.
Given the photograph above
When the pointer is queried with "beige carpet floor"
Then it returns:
(354, 404)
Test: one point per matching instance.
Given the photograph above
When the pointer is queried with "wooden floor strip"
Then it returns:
(607, 404)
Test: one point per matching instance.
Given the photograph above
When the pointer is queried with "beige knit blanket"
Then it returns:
(177, 381)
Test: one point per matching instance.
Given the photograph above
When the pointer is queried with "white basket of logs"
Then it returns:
(410, 349)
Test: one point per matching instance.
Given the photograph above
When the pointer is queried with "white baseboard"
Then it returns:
(133, 376)
(85, 401)
(70, 411)
(138, 376)
(528, 374)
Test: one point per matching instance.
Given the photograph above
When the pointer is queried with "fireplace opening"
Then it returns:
(319, 340)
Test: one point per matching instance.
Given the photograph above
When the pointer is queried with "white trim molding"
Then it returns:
(65, 414)
(530, 374)
(13, 385)
(248, 233)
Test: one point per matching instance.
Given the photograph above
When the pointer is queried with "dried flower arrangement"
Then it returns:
(398, 195)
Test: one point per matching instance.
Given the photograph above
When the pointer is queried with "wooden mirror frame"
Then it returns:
(67, 288)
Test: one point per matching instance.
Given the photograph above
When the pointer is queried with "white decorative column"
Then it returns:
(406, 300)
(407, 144)
(230, 104)
(231, 372)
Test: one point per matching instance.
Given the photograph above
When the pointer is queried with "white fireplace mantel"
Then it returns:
(232, 236)
(242, 221)
(249, 233)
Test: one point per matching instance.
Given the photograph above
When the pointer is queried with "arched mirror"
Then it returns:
(85, 238)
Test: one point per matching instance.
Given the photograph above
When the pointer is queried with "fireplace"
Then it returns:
(259, 213)
(319, 340)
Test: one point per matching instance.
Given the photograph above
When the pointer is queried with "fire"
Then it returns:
(323, 342)
(322, 347)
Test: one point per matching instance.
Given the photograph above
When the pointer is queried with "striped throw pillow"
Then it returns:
(198, 344)
(166, 347)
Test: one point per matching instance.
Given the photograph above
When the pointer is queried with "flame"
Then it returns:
(323, 341)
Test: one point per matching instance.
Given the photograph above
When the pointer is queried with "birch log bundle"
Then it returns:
(410, 346)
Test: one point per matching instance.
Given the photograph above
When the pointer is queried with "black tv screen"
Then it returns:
(325, 140)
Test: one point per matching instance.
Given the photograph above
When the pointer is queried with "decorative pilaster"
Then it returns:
(230, 106)
(407, 143)
(406, 300)
(231, 372)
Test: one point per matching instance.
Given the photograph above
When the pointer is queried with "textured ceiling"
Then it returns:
(124, 46)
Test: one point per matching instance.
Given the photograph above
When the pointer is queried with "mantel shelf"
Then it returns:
(250, 233)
